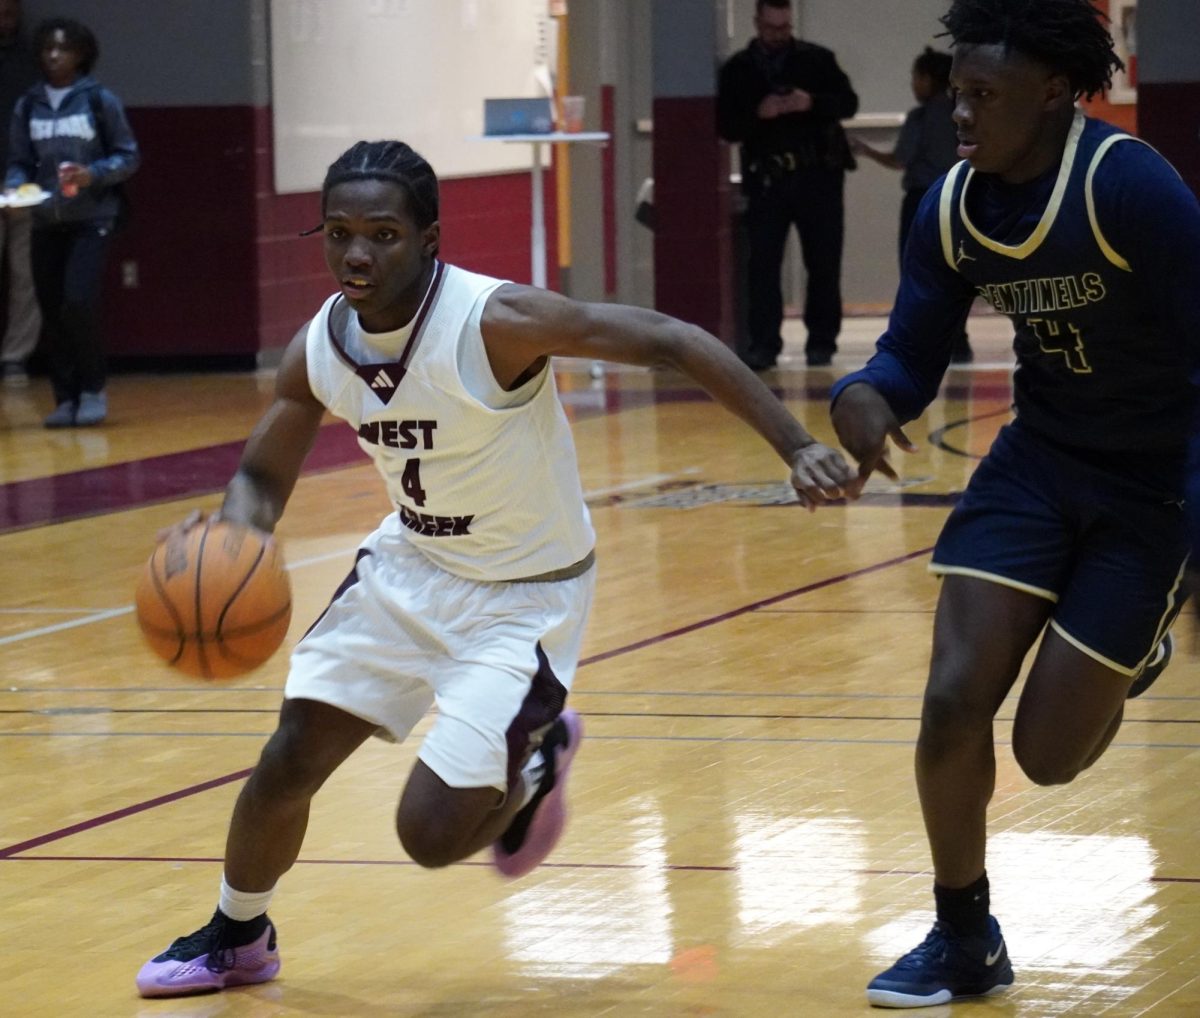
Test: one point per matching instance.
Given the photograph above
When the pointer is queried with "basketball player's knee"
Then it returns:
(1043, 766)
(290, 766)
(428, 843)
(949, 715)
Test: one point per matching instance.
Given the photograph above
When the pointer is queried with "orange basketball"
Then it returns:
(215, 601)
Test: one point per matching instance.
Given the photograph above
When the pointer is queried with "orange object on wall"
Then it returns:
(1122, 115)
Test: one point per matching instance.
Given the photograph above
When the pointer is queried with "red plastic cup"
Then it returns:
(68, 188)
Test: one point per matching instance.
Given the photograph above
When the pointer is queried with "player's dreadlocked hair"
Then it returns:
(1068, 35)
(388, 160)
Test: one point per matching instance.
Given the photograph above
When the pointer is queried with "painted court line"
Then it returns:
(754, 606)
(628, 648)
(760, 740)
(674, 867)
(720, 694)
(49, 611)
(644, 482)
(141, 807)
(666, 867)
(112, 613)
(59, 627)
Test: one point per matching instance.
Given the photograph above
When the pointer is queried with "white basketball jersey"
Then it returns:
(487, 490)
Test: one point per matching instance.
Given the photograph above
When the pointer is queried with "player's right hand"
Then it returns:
(192, 519)
(864, 422)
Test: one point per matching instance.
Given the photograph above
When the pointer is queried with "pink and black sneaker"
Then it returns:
(212, 959)
(537, 826)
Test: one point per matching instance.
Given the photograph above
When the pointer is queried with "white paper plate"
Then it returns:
(21, 202)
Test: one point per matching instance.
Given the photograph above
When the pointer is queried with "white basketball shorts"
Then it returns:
(402, 634)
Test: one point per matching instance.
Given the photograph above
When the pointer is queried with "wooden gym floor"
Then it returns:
(745, 837)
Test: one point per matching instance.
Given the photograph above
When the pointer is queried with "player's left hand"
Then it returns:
(820, 474)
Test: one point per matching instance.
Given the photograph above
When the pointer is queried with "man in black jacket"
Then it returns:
(783, 100)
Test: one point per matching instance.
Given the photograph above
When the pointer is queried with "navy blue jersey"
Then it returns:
(1098, 266)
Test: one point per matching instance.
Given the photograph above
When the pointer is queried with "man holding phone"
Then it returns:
(783, 99)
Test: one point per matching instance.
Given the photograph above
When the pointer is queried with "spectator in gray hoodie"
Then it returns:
(70, 136)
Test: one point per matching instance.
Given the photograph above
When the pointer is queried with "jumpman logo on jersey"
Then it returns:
(962, 255)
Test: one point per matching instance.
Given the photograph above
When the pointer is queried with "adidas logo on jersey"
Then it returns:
(381, 379)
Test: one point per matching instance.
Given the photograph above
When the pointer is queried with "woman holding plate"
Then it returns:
(69, 137)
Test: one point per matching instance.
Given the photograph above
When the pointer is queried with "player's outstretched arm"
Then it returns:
(277, 447)
(522, 326)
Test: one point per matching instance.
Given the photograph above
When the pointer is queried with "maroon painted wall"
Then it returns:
(1164, 122)
(693, 243)
(191, 236)
(221, 268)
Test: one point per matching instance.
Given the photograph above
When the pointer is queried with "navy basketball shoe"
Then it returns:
(943, 968)
(1154, 667)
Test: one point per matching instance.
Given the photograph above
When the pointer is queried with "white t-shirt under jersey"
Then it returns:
(484, 480)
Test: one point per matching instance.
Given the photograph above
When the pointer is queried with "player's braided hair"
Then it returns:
(388, 160)
(1067, 35)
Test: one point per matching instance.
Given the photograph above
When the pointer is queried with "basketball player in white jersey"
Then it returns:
(474, 593)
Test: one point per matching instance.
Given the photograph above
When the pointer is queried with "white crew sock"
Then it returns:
(243, 906)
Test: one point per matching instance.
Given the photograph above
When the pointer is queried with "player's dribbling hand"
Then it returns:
(864, 422)
(820, 474)
(192, 519)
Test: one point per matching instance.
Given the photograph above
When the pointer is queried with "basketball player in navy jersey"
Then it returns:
(475, 591)
(1070, 539)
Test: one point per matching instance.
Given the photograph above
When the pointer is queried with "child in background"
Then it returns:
(925, 150)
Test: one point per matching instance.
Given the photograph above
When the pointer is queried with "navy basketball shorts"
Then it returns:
(1108, 552)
